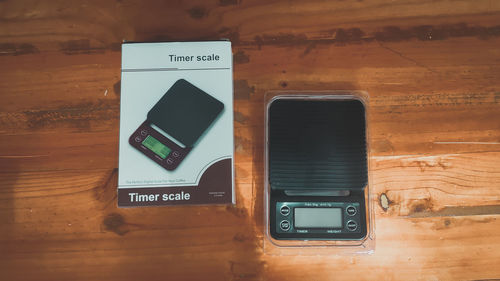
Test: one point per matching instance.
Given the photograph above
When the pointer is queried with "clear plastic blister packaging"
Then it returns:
(317, 183)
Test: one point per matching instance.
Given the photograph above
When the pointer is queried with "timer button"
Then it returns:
(137, 139)
(144, 132)
(352, 225)
(351, 210)
(285, 225)
(175, 153)
(285, 210)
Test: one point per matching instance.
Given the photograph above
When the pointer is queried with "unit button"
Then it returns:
(352, 225)
(285, 225)
(285, 210)
(144, 132)
(175, 154)
(137, 139)
(351, 210)
(170, 161)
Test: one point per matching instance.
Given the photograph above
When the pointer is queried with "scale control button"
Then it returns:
(176, 154)
(144, 132)
(285, 225)
(285, 210)
(138, 139)
(170, 161)
(351, 210)
(352, 225)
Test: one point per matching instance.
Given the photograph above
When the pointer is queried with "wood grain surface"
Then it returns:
(432, 69)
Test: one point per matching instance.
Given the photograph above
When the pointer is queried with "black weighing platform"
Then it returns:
(184, 113)
(317, 169)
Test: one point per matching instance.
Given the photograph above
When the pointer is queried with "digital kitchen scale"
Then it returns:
(175, 124)
(317, 168)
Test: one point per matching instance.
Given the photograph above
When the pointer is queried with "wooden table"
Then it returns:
(432, 69)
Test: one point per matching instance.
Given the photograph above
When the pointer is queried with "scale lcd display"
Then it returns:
(318, 217)
(156, 146)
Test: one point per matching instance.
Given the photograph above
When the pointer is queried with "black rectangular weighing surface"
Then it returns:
(317, 159)
(184, 112)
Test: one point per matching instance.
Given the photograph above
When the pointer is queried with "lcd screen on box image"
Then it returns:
(156, 146)
(318, 217)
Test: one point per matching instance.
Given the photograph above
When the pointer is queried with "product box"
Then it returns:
(176, 124)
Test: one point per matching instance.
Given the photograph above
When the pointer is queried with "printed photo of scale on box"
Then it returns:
(176, 124)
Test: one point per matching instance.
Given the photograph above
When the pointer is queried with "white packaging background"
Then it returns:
(147, 74)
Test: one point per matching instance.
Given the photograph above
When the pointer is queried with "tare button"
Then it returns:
(285, 210)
